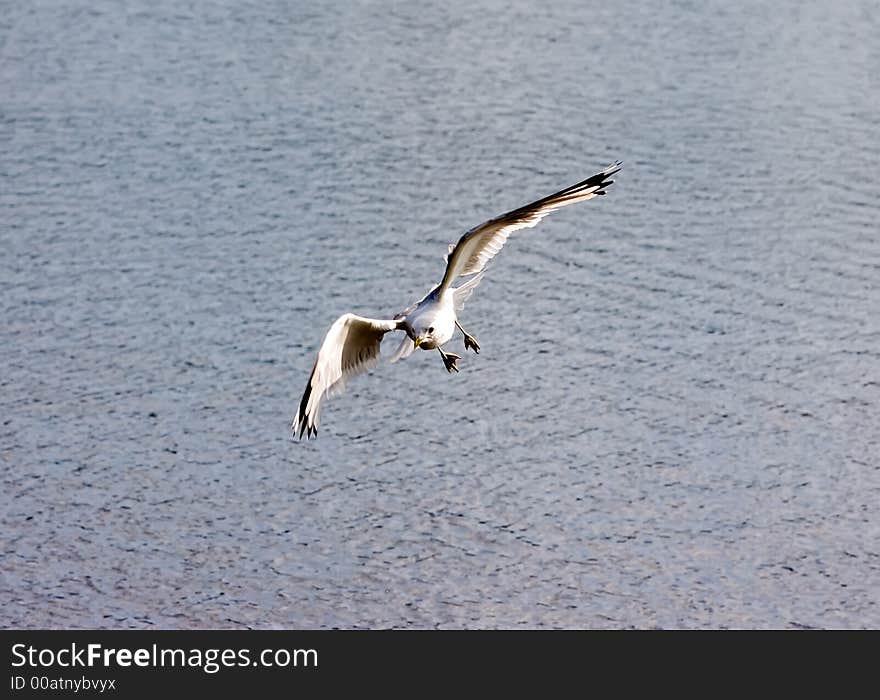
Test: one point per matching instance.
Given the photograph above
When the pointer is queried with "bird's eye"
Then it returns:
(431, 329)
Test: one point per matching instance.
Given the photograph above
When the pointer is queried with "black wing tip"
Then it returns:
(301, 420)
(602, 179)
(614, 168)
(303, 429)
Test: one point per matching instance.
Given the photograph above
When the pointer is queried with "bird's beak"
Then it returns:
(418, 341)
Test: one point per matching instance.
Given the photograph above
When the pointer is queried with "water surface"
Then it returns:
(673, 421)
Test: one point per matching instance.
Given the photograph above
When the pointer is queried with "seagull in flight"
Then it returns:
(352, 345)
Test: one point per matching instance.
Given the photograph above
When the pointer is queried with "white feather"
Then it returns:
(351, 347)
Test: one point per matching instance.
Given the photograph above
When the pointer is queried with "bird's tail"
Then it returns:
(404, 350)
(462, 293)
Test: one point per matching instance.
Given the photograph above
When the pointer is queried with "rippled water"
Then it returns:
(673, 421)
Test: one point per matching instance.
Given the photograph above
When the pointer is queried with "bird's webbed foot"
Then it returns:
(470, 343)
(449, 359)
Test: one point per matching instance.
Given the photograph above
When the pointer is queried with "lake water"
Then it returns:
(674, 417)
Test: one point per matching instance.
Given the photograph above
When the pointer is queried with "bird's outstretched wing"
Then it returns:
(350, 347)
(479, 245)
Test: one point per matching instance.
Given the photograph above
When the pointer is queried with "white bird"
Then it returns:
(352, 344)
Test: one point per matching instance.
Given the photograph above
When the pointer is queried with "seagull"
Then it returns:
(352, 345)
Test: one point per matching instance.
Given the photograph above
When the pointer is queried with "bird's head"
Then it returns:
(423, 337)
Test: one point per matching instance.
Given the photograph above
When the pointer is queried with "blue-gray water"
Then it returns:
(674, 418)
